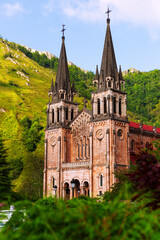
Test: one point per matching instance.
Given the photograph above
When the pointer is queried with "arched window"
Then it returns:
(52, 115)
(72, 111)
(57, 114)
(101, 180)
(105, 104)
(132, 145)
(88, 148)
(120, 106)
(84, 147)
(78, 150)
(81, 149)
(67, 113)
(98, 106)
(109, 84)
(114, 105)
(53, 182)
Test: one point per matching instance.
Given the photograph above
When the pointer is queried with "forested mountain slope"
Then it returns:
(25, 79)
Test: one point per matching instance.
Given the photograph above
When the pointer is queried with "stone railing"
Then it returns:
(75, 164)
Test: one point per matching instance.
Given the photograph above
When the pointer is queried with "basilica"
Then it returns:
(84, 148)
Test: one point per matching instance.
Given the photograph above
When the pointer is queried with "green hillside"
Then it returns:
(25, 79)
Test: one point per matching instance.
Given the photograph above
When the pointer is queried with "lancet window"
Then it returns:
(52, 115)
(98, 106)
(105, 104)
(120, 106)
(57, 114)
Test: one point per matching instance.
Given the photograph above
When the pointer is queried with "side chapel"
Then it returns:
(84, 148)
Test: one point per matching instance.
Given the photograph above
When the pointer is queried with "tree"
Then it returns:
(5, 182)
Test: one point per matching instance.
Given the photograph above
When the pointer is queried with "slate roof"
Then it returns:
(62, 78)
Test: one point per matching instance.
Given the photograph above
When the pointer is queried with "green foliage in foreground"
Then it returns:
(83, 219)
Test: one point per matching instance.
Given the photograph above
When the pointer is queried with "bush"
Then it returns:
(8, 54)
(86, 220)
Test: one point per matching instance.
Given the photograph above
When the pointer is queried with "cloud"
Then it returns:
(48, 7)
(137, 12)
(11, 10)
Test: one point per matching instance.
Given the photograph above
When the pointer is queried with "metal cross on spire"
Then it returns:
(108, 12)
(63, 29)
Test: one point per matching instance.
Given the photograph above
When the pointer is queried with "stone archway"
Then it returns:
(66, 191)
(77, 190)
(86, 188)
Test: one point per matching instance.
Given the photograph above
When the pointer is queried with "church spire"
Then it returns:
(62, 79)
(108, 64)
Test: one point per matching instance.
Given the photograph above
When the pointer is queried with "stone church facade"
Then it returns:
(87, 147)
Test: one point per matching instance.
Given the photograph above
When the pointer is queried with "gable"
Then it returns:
(82, 119)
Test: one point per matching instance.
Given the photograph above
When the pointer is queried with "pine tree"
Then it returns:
(5, 182)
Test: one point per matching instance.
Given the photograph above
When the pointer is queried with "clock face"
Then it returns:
(53, 141)
(120, 134)
(99, 134)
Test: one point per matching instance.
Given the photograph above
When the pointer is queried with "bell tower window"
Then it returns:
(98, 107)
(66, 113)
(72, 111)
(57, 114)
(52, 115)
(105, 105)
(120, 106)
(114, 105)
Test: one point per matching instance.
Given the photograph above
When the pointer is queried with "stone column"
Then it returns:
(55, 115)
(117, 107)
(47, 117)
(111, 104)
(102, 106)
(91, 166)
(63, 113)
(107, 160)
(108, 103)
(60, 114)
(65, 158)
(45, 169)
(125, 108)
(58, 167)
(95, 107)
(114, 155)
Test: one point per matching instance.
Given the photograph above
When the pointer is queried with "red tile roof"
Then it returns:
(148, 128)
(134, 125)
(158, 130)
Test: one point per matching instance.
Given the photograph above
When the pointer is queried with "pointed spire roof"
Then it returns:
(108, 64)
(62, 78)
(120, 73)
(97, 73)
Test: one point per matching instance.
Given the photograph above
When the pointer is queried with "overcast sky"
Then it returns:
(135, 27)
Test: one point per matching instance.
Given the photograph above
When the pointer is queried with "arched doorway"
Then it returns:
(86, 188)
(66, 191)
(77, 190)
